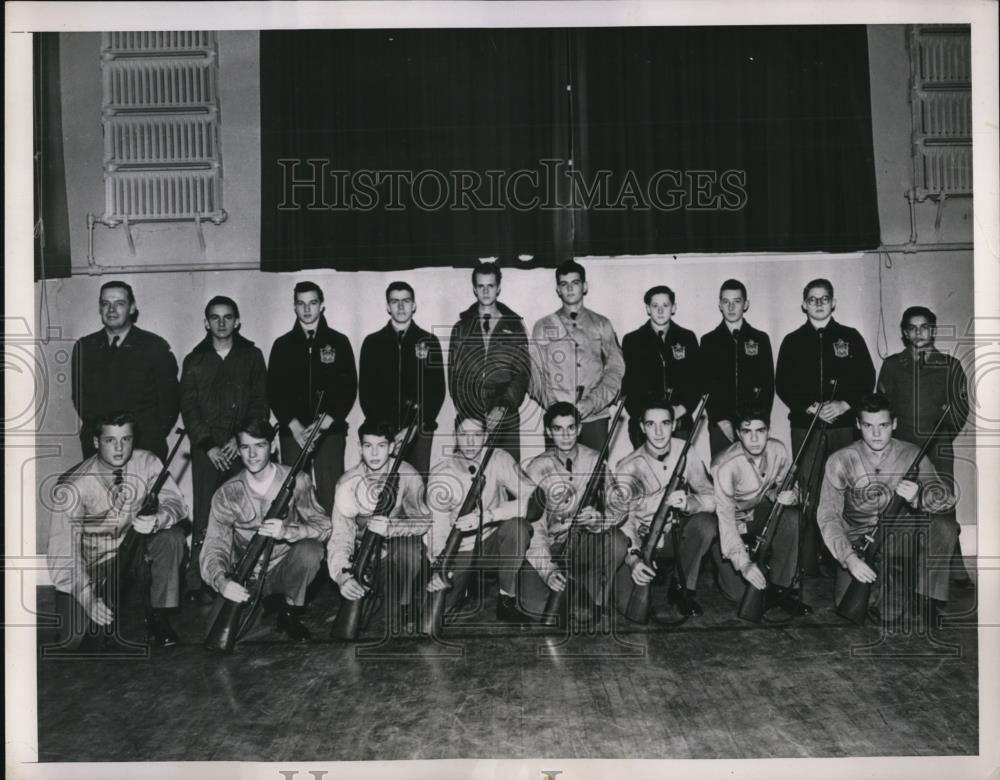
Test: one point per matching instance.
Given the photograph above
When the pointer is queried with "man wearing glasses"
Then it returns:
(810, 360)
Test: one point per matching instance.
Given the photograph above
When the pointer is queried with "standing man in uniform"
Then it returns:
(311, 357)
(489, 368)
(125, 368)
(810, 359)
(402, 363)
(919, 381)
(575, 357)
(223, 382)
(661, 361)
(737, 366)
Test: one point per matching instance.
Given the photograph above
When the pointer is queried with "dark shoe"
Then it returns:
(507, 611)
(684, 600)
(794, 606)
(202, 597)
(159, 632)
(290, 625)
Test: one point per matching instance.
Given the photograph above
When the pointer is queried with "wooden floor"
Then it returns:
(713, 688)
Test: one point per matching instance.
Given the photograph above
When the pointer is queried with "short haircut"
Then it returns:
(463, 416)
(871, 403)
(745, 412)
(570, 267)
(918, 311)
(381, 428)
(404, 286)
(492, 269)
(733, 284)
(120, 285)
(222, 300)
(657, 403)
(307, 287)
(112, 418)
(824, 283)
(660, 289)
(258, 427)
(560, 409)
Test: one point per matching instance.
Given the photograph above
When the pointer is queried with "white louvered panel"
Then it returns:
(946, 169)
(133, 43)
(150, 196)
(946, 114)
(152, 84)
(159, 140)
(944, 57)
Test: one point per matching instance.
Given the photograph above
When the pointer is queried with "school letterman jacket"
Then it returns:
(736, 370)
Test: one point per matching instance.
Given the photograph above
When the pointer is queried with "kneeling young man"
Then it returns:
(642, 477)
(747, 475)
(859, 483)
(238, 510)
(107, 491)
(506, 530)
(354, 503)
(563, 472)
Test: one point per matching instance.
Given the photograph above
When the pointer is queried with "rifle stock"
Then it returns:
(854, 604)
(637, 609)
(227, 621)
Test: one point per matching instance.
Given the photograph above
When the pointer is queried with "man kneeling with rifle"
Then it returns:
(238, 510)
(860, 487)
(101, 499)
(747, 477)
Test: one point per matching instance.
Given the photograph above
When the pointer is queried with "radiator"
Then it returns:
(162, 159)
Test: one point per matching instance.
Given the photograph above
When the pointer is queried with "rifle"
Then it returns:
(132, 550)
(592, 496)
(433, 614)
(347, 624)
(854, 604)
(637, 609)
(228, 622)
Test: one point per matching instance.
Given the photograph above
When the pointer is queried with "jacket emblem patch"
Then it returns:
(750, 348)
(422, 350)
(679, 350)
(841, 348)
(327, 354)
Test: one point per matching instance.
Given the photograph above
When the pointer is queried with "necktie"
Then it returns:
(573, 315)
(118, 474)
(569, 467)
(114, 343)
(663, 337)
(486, 324)
(400, 336)
(736, 334)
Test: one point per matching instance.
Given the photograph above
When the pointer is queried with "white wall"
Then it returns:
(171, 303)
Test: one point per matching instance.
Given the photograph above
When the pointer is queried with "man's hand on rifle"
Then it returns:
(908, 491)
(556, 581)
(379, 524)
(95, 607)
(678, 500)
(233, 591)
(144, 524)
(789, 497)
(276, 529)
(752, 574)
(860, 570)
(438, 582)
(470, 522)
(352, 590)
(642, 573)
(590, 520)
(831, 410)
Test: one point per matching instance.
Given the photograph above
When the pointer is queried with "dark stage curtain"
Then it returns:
(428, 102)
(52, 252)
(670, 140)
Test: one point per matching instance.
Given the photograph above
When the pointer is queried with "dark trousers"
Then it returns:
(811, 480)
(418, 454)
(942, 455)
(784, 558)
(398, 574)
(590, 563)
(503, 551)
(327, 463)
(205, 480)
(293, 573)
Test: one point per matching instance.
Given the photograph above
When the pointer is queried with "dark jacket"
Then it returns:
(736, 370)
(919, 389)
(217, 394)
(809, 360)
(482, 376)
(655, 370)
(393, 372)
(139, 377)
(296, 373)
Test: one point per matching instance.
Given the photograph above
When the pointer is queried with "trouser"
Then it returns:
(165, 552)
(418, 454)
(503, 551)
(697, 533)
(942, 455)
(592, 562)
(327, 463)
(292, 574)
(811, 480)
(717, 440)
(205, 480)
(784, 551)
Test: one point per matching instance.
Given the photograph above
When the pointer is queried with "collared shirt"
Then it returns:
(569, 354)
(93, 514)
(354, 504)
(238, 510)
(740, 485)
(506, 492)
(641, 478)
(120, 336)
(858, 484)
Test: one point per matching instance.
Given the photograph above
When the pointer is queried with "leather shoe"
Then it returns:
(507, 611)
(289, 624)
(684, 600)
(794, 606)
(159, 632)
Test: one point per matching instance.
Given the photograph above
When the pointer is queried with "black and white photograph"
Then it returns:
(501, 390)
